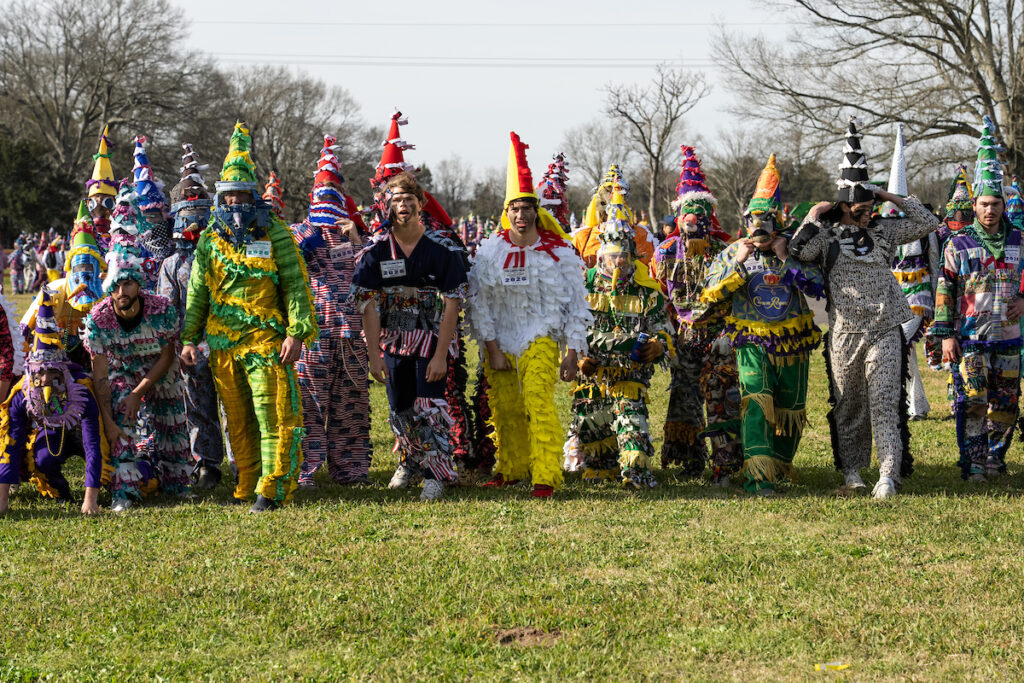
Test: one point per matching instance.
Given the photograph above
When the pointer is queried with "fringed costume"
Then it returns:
(248, 291)
(980, 277)
(772, 329)
(332, 370)
(610, 417)
(527, 300)
(704, 370)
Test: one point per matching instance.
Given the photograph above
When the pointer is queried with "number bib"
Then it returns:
(260, 249)
(389, 270)
(341, 253)
(151, 348)
(514, 274)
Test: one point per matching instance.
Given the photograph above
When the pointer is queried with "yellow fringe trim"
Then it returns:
(228, 253)
(801, 323)
(766, 468)
(910, 275)
(679, 431)
(921, 311)
(765, 401)
(621, 303)
(215, 327)
(603, 446)
(729, 284)
(790, 422)
(261, 312)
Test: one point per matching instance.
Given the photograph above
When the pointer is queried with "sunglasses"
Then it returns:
(106, 202)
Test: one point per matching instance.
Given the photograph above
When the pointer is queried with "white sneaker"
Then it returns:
(400, 479)
(433, 489)
(853, 480)
(121, 505)
(885, 488)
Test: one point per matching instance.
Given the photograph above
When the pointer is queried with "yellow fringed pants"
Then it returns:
(264, 421)
(527, 433)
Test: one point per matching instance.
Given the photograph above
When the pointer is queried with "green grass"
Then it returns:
(684, 582)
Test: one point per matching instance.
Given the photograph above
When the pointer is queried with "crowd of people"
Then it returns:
(162, 324)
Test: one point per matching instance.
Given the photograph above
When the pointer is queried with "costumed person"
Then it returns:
(434, 219)
(916, 267)
(50, 416)
(249, 294)
(408, 287)
(272, 195)
(528, 297)
(704, 370)
(332, 369)
(131, 336)
(73, 296)
(865, 350)
(128, 228)
(552, 190)
(18, 267)
(102, 191)
(152, 204)
(772, 329)
(52, 261)
(959, 212)
(978, 308)
(1015, 204)
(630, 332)
(586, 240)
(190, 208)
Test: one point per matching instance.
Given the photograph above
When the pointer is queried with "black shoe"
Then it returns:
(263, 504)
(208, 479)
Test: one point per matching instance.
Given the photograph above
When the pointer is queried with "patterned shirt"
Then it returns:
(330, 260)
(975, 287)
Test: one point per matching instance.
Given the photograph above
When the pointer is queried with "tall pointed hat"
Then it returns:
(191, 190)
(898, 173)
(612, 178)
(102, 181)
(272, 195)
(617, 230)
(149, 190)
(988, 171)
(392, 159)
(327, 204)
(519, 185)
(47, 348)
(768, 192)
(83, 238)
(692, 192)
(961, 194)
(552, 189)
(853, 170)
(239, 171)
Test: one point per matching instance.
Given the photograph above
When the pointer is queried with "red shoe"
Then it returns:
(499, 482)
(542, 491)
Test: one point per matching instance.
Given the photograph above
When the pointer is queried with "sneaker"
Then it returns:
(921, 417)
(121, 505)
(853, 480)
(499, 481)
(307, 484)
(400, 479)
(433, 489)
(994, 468)
(978, 477)
(208, 479)
(885, 488)
(542, 491)
(263, 504)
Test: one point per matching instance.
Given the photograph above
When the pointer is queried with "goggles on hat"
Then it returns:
(107, 202)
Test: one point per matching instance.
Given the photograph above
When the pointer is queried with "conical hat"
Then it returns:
(768, 193)
(102, 181)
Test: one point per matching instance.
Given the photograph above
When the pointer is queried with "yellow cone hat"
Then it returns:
(102, 181)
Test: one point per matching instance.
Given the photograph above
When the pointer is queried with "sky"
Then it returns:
(467, 72)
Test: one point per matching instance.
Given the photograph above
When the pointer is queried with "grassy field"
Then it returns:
(683, 582)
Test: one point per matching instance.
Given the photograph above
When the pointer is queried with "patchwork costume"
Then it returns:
(332, 370)
(865, 350)
(704, 370)
(191, 211)
(587, 239)
(981, 275)
(248, 291)
(528, 300)
(772, 329)
(132, 349)
(610, 397)
(42, 426)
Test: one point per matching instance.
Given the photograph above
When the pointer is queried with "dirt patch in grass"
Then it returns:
(526, 636)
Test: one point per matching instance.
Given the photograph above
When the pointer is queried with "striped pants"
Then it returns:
(336, 408)
(264, 417)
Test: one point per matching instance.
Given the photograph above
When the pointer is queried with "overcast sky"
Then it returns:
(467, 72)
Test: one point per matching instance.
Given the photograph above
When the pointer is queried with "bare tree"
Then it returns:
(593, 147)
(732, 167)
(936, 65)
(652, 116)
(66, 69)
(453, 182)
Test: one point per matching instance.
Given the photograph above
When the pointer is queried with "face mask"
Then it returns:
(85, 286)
